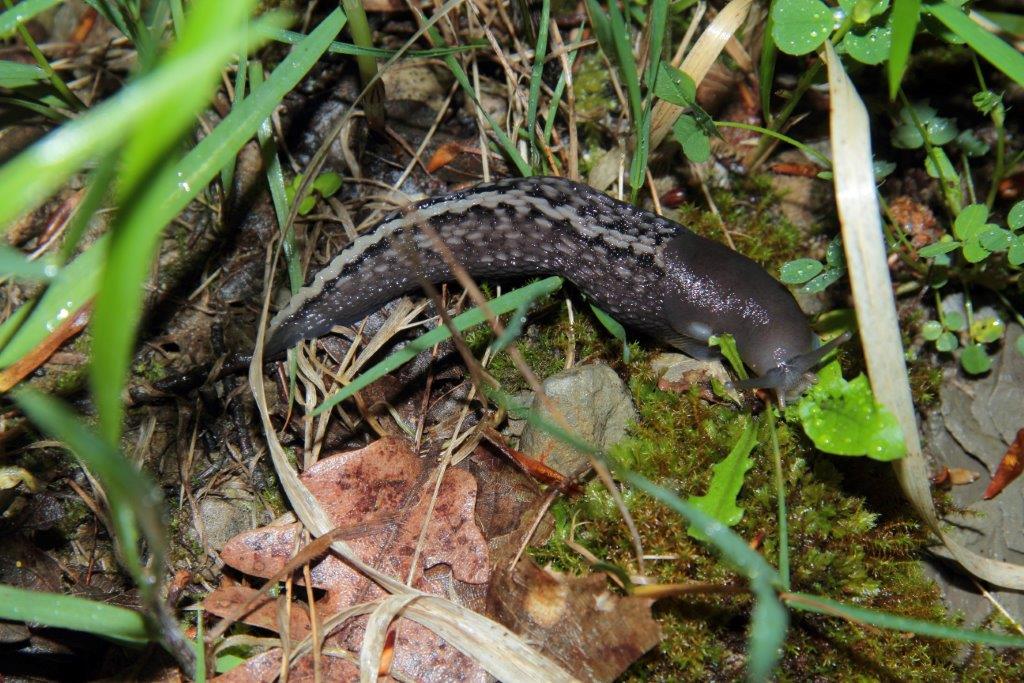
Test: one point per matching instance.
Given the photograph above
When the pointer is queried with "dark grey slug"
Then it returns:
(650, 273)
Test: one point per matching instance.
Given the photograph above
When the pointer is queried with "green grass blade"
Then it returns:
(15, 264)
(474, 316)
(615, 327)
(135, 502)
(208, 23)
(602, 26)
(905, 16)
(71, 289)
(22, 13)
(77, 283)
(112, 13)
(48, 110)
(359, 29)
(766, 69)
(769, 621)
(136, 233)
(820, 605)
(657, 22)
(626, 61)
(537, 78)
(278, 195)
(63, 611)
(36, 173)
(227, 174)
(780, 495)
(989, 46)
(18, 75)
(58, 85)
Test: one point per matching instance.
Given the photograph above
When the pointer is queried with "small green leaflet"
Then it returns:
(694, 141)
(842, 418)
(727, 345)
(726, 481)
(801, 26)
(675, 86)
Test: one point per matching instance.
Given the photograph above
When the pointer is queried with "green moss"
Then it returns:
(546, 342)
(756, 228)
(842, 545)
(592, 89)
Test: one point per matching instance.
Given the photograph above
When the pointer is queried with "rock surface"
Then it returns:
(597, 407)
(977, 421)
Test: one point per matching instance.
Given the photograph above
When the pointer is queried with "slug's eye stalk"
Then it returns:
(793, 373)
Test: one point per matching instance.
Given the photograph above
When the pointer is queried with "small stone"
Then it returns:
(677, 372)
(597, 407)
(224, 519)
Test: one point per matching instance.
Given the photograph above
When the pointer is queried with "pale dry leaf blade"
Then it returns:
(504, 654)
(376, 635)
(864, 243)
(698, 61)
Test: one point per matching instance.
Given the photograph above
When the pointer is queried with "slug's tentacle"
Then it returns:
(650, 273)
(790, 373)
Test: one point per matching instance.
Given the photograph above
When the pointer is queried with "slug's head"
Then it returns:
(791, 376)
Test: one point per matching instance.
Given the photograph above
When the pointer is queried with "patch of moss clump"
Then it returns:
(546, 341)
(840, 547)
(757, 230)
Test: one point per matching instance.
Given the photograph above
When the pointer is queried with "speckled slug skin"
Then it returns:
(648, 272)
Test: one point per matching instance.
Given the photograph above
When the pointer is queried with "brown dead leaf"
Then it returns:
(262, 613)
(1009, 467)
(383, 481)
(579, 622)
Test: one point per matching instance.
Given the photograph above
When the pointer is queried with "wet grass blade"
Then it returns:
(71, 289)
(894, 622)
(78, 282)
(21, 14)
(36, 173)
(1000, 53)
(905, 16)
(144, 181)
(15, 264)
(63, 611)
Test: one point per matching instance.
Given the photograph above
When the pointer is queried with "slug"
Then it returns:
(648, 272)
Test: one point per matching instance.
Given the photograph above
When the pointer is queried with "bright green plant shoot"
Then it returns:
(720, 500)
(842, 418)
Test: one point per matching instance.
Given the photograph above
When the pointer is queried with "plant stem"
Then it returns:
(359, 28)
(780, 494)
